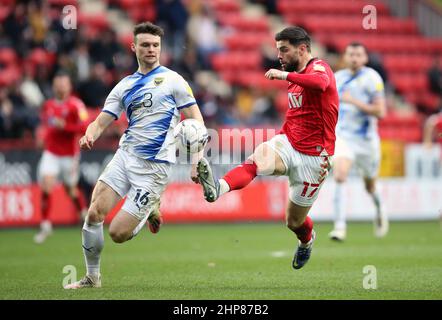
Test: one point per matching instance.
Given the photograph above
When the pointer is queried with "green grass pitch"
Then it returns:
(229, 261)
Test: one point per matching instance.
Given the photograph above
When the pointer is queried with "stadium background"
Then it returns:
(222, 47)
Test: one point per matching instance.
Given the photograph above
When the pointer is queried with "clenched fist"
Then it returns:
(276, 74)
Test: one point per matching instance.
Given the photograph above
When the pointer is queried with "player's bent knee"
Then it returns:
(265, 168)
(370, 189)
(117, 236)
(96, 213)
(340, 178)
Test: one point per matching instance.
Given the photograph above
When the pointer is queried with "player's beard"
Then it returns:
(291, 66)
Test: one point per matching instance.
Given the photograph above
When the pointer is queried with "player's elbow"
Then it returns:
(323, 85)
(380, 113)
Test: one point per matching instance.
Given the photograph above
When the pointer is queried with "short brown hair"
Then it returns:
(356, 44)
(148, 27)
(295, 36)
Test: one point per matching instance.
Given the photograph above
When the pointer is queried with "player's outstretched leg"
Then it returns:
(302, 226)
(235, 179)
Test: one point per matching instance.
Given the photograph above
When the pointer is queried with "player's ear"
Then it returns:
(132, 47)
(302, 48)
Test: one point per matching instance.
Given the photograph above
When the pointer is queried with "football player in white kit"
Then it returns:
(152, 98)
(362, 102)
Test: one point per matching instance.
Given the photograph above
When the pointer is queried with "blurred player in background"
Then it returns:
(362, 102)
(433, 130)
(152, 98)
(302, 149)
(64, 119)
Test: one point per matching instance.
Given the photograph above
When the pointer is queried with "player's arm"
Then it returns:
(429, 126)
(81, 124)
(318, 80)
(193, 112)
(95, 129)
(376, 108)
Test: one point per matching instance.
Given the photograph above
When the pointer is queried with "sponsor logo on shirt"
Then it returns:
(295, 100)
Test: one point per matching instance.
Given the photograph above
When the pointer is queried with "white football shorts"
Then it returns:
(143, 182)
(366, 155)
(66, 168)
(306, 173)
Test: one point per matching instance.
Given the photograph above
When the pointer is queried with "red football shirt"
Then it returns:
(313, 109)
(64, 142)
(438, 129)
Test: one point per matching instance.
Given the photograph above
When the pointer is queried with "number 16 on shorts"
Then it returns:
(141, 198)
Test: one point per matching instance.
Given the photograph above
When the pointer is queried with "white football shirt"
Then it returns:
(152, 102)
(364, 86)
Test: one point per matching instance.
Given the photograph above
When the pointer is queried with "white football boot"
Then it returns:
(338, 234)
(87, 282)
(381, 224)
(45, 231)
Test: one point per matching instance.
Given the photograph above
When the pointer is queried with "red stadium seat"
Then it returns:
(147, 14)
(138, 4)
(41, 56)
(237, 60)
(62, 2)
(4, 12)
(352, 24)
(241, 23)
(96, 21)
(327, 7)
(247, 40)
(8, 56)
(126, 40)
(403, 128)
(407, 63)
(408, 82)
(225, 6)
(9, 75)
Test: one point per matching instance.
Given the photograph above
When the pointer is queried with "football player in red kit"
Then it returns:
(303, 147)
(63, 119)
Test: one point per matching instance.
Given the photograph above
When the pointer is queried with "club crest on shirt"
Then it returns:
(318, 67)
(157, 81)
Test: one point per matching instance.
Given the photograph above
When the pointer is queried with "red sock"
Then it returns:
(241, 176)
(304, 232)
(45, 206)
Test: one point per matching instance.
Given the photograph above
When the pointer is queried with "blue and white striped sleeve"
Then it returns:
(114, 103)
(183, 94)
(375, 85)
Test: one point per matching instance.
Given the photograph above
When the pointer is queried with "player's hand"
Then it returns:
(194, 174)
(59, 123)
(276, 74)
(86, 142)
